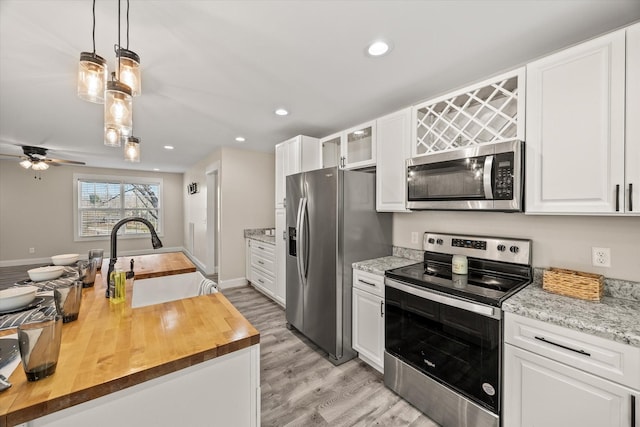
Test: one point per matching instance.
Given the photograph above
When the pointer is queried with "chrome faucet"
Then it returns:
(155, 241)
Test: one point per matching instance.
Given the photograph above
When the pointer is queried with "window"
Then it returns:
(102, 201)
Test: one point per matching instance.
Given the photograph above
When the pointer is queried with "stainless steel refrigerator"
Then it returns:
(331, 223)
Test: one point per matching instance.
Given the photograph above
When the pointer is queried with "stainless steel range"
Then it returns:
(443, 331)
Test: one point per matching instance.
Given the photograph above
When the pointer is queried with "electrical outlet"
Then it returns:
(415, 236)
(601, 257)
(32, 250)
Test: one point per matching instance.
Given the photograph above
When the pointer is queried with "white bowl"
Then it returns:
(45, 273)
(64, 259)
(16, 297)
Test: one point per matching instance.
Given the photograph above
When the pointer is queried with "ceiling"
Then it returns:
(215, 70)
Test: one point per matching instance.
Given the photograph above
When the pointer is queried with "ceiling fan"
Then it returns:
(36, 158)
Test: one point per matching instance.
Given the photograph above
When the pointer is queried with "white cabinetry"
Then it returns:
(368, 317)
(262, 266)
(576, 127)
(393, 142)
(353, 148)
(281, 256)
(299, 154)
(557, 377)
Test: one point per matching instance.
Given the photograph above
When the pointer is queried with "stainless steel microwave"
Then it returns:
(480, 177)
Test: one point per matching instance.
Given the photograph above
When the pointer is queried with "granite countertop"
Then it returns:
(260, 235)
(380, 265)
(617, 319)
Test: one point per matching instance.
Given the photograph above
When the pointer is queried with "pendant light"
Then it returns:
(118, 105)
(130, 65)
(132, 150)
(92, 71)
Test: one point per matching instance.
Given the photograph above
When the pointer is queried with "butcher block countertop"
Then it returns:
(154, 265)
(113, 346)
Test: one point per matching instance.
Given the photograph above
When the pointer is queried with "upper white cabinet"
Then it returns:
(575, 139)
(632, 137)
(353, 148)
(489, 111)
(393, 141)
(299, 154)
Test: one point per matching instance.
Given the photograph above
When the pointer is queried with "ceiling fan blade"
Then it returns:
(11, 155)
(69, 162)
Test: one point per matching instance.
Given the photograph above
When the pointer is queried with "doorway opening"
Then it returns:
(213, 218)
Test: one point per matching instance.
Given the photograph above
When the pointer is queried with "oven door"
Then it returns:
(486, 177)
(453, 341)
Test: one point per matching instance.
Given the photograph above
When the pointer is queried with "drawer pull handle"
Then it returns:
(584, 353)
(367, 283)
(260, 262)
(260, 247)
(633, 411)
(260, 280)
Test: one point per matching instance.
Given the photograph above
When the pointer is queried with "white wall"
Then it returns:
(558, 241)
(247, 194)
(39, 213)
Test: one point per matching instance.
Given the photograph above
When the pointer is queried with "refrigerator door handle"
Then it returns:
(299, 239)
(304, 242)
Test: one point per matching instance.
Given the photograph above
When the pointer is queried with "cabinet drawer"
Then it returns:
(265, 263)
(262, 248)
(608, 359)
(260, 278)
(369, 282)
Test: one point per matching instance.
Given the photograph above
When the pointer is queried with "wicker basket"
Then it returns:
(574, 284)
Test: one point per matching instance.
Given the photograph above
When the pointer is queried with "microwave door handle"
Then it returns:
(486, 178)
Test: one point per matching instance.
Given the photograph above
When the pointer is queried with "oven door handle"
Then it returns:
(486, 178)
(438, 297)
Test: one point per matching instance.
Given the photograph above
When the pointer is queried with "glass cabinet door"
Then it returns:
(359, 147)
(331, 151)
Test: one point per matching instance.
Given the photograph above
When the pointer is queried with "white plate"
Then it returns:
(65, 259)
(17, 297)
(45, 273)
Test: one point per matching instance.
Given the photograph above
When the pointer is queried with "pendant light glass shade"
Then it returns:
(26, 163)
(92, 76)
(132, 150)
(130, 70)
(118, 113)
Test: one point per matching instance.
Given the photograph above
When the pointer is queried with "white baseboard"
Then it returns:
(232, 283)
(47, 260)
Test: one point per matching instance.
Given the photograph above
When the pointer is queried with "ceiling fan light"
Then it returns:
(39, 166)
(26, 163)
(92, 76)
(129, 72)
(118, 113)
(132, 150)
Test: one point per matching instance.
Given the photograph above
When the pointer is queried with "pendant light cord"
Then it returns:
(93, 32)
(118, 50)
(127, 24)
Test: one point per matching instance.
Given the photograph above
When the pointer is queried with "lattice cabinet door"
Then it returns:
(490, 111)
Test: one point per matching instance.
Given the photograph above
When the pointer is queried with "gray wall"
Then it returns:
(558, 241)
(39, 213)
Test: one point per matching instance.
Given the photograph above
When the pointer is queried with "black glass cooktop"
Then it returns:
(486, 282)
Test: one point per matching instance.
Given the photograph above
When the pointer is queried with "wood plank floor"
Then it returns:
(300, 387)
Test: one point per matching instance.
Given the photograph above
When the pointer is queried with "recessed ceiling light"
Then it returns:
(169, 147)
(240, 139)
(281, 112)
(156, 169)
(378, 48)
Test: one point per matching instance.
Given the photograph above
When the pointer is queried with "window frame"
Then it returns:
(122, 181)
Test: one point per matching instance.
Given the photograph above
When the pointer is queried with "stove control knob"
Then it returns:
(514, 249)
(431, 240)
(502, 248)
(439, 241)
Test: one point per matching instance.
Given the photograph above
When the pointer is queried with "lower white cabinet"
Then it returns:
(368, 318)
(281, 256)
(557, 377)
(261, 266)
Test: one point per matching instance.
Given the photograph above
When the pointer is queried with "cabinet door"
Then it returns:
(541, 392)
(331, 150)
(359, 146)
(281, 191)
(310, 153)
(281, 256)
(632, 140)
(293, 157)
(393, 139)
(368, 327)
(575, 128)
(247, 259)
